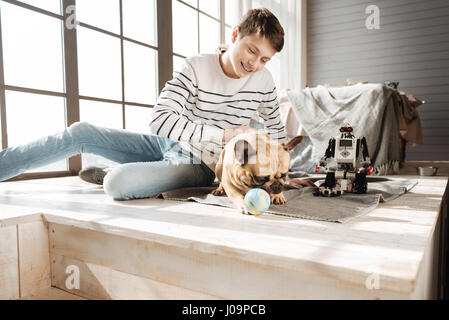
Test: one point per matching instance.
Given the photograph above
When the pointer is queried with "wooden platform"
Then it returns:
(52, 293)
(55, 230)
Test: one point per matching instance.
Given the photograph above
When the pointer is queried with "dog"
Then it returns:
(253, 160)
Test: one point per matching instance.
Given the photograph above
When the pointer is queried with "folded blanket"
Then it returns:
(369, 108)
(301, 203)
(291, 124)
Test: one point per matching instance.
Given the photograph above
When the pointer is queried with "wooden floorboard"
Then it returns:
(52, 293)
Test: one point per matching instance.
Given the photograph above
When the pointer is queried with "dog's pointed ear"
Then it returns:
(290, 145)
(243, 150)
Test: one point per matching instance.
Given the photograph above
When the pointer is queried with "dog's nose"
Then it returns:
(276, 187)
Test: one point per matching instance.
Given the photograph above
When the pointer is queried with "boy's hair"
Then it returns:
(264, 23)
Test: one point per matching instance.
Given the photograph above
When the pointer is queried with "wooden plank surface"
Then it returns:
(391, 240)
(100, 282)
(224, 277)
(52, 293)
(9, 272)
(34, 257)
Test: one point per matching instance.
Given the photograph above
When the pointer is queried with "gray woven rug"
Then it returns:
(300, 203)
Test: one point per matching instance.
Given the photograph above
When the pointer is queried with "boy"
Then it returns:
(208, 102)
(214, 94)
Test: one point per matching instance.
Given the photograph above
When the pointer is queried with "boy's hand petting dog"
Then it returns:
(297, 183)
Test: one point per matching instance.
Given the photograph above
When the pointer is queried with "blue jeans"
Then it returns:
(149, 163)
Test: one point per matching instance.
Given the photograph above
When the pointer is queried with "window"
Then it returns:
(108, 68)
(32, 98)
(44, 115)
(116, 63)
(99, 65)
(49, 5)
(231, 18)
(198, 27)
(39, 35)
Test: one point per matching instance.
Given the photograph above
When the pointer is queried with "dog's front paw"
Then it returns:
(277, 198)
(243, 210)
(219, 191)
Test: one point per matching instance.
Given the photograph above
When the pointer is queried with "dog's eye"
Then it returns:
(283, 175)
(262, 180)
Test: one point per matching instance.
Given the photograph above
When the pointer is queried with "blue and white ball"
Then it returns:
(257, 201)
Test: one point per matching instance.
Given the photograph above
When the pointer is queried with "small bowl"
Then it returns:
(427, 171)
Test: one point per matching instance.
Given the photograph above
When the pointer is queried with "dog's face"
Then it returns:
(260, 162)
(253, 160)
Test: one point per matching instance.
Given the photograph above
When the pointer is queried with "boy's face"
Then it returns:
(248, 54)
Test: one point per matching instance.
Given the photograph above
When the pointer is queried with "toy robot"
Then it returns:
(352, 165)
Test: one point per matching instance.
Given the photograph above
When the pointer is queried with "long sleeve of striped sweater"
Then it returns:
(170, 118)
(269, 112)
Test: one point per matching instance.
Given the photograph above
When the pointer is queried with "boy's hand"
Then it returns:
(232, 132)
(297, 183)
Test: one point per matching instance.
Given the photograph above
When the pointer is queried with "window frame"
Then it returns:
(72, 97)
(220, 20)
(70, 67)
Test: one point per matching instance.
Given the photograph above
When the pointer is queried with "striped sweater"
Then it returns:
(200, 102)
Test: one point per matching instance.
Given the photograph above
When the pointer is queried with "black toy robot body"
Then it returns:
(352, 165)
